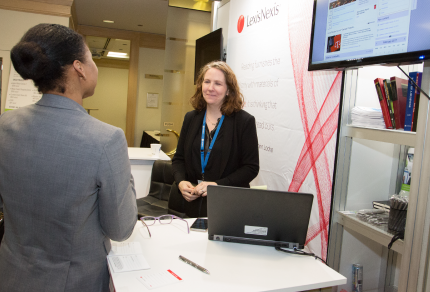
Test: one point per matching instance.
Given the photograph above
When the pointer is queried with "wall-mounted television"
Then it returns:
(208, 48)
(354, 33)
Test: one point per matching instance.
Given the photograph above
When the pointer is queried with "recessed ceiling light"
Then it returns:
(117, 55)
(108, 21)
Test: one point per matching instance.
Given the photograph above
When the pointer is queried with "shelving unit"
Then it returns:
(381, 135)
(379, 234)
(406, 267)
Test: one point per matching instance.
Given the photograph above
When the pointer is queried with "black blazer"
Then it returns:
(238, 151)
(234, 160)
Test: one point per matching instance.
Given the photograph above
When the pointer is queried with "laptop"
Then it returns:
(261, 217)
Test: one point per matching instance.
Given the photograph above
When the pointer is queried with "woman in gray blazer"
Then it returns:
(66, 187)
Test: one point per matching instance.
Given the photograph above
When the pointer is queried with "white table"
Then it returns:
(141, 161)
(232, 266)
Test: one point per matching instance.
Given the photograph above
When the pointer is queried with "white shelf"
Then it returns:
(382, 135)
(376, 233)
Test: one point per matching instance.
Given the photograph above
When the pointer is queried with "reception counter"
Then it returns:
(232, 266)
(141, 161)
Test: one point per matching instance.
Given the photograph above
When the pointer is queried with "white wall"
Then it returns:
(110, 97)
(151, 61)
(111, 94)
(13, 25)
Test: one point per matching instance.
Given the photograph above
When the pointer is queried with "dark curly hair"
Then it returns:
(233, 102)
(43, 54)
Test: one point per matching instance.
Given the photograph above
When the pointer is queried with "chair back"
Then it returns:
(155, 203)
(161, 180)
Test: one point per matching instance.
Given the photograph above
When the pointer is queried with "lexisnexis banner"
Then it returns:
(296, 110)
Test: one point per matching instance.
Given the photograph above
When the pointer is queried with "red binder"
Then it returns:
(379, 85)
(400, 93)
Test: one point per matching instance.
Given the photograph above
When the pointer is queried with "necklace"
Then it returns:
(213, 124)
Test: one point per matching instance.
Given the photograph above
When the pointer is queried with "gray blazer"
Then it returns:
(66, 188)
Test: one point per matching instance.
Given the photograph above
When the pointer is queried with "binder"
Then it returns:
(412, 102)
(388, 97)
(379, 85)
(399, 90)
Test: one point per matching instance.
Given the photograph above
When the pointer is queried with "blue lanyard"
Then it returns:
(204, 159)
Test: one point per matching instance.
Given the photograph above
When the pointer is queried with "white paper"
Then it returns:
(128, 263)
(152, 99)
(20, 92)
(367, 117)
(125, 248)
(158, 279)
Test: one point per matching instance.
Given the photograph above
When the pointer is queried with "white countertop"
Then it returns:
(137, 153)
(232, 266)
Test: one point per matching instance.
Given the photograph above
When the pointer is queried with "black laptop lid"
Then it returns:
(256, 216)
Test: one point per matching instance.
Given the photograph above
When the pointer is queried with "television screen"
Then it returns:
(353, 33)
(208, 48)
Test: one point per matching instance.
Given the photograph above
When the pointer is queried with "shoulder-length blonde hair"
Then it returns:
(233, 102)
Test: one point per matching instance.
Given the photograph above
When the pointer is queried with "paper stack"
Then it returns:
(126, 257)
(367, 117)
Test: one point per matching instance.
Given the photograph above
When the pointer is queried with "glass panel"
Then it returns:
(184, 26)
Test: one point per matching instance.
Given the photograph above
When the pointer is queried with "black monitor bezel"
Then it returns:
(387, 60)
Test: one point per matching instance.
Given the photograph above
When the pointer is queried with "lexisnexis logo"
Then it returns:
(263, 14)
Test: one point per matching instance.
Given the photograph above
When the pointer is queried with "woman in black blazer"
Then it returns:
(227, 151)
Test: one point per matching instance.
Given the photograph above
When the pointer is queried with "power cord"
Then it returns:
(398, 235)
(299, 252)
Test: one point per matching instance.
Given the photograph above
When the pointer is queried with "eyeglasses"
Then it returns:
(163, 219)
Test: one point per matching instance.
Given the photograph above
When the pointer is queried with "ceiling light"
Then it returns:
(117, 55)
(108, 21)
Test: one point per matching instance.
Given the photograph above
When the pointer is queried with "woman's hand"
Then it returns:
(201, 188)
(187, 190)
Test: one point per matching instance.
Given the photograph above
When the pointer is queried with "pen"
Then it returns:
(200, 268)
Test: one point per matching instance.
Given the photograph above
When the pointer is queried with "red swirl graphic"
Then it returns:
(319, 114)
